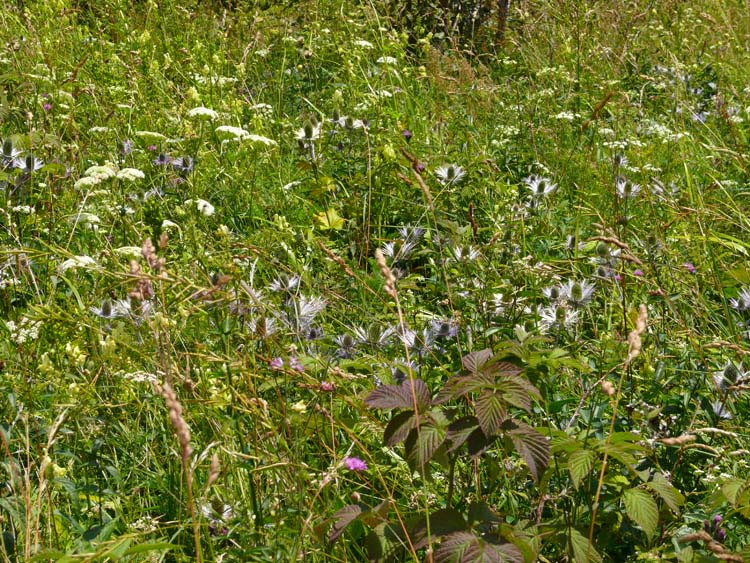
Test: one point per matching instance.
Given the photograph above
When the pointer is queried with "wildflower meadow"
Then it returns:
(336, 281)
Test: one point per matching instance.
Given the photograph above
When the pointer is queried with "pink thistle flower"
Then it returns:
(689, 267)
(638, 273)
(355, 464)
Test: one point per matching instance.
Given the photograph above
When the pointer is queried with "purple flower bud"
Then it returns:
(420, 167)
(689, 267)
(407, 135)
(717, 519)
(721, 535)
(638, 273)
(47, 106)
(706, 526)
(327, 387)
(276, 363)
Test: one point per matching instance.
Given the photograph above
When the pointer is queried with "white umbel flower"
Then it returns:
(77, 262)
(229, 132)
(130, 174)
(203, 113)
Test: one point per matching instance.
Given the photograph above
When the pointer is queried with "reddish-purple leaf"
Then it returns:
(422, 443)
(343, 518)
(532, 446)
(474, 361)
(409, 394)
(490, 410)
(459, 431)
(399, 427)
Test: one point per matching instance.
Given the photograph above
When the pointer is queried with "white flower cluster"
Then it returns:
(24, 331)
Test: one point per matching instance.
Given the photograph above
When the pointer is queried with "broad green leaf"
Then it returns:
(667, 492)
(328, 220)
(490, 410)
(732, 489)
(641, 508)
(579, 464)
(583, 551)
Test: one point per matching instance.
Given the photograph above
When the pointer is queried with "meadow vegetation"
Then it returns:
(366, 281)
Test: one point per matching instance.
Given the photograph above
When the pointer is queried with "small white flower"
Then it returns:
(128, 251)
(86, 219)
(86, 182)
(204, 207)
(231, 132)
(150, 136)
(261, 139)
(387, 60)
(450, 174)
(203, 112)
(130, 174)
(364, 44)
(265, 109)
(77, 262)
(100, 172)
(23, 209)
(99, 129)
(168, 225)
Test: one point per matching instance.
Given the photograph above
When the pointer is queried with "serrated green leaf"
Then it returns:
(667, 492)
(583, 551)
(732, 488)
(641, 508)
(580, 464)
(328, 220)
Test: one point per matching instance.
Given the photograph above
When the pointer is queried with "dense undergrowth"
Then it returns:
(290, 282)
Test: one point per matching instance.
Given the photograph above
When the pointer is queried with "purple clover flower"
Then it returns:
(689, 267)
(276, 363)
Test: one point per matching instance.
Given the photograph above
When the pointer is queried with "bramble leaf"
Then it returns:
(399, 427)
(666, 491)
(580, 464)
(404, 396)
(641, 508)
(490, 411)
(530, 445)
(583, 551)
